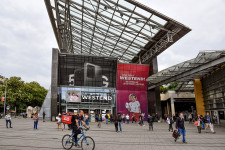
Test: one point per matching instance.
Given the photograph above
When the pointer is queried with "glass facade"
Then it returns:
(87, 83)
(90, 98)
(213, 90)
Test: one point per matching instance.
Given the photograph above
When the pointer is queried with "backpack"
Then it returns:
(119, 118)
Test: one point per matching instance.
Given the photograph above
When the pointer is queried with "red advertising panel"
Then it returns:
(132, 77)
(132, 90)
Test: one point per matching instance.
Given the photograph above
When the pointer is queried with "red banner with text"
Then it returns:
(132, 90)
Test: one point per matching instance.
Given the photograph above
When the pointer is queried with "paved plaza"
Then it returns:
(133, 137)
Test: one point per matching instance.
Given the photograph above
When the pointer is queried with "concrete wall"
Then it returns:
(54, 83)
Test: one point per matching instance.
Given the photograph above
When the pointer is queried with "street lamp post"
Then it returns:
(5, 96)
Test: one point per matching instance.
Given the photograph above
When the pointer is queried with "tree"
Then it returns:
(170, 86)
(21, 94)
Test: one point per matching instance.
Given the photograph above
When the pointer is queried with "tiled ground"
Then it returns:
(133, 137)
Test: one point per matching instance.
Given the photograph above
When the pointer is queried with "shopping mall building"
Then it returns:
(106, 51)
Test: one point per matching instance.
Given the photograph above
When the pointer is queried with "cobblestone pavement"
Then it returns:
(133, 137)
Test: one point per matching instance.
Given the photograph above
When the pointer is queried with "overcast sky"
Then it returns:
(27, 39)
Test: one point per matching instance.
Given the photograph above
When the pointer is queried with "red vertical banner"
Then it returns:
(132, 89)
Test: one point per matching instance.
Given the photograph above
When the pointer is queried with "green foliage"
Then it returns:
(170, 86)
(21, 94)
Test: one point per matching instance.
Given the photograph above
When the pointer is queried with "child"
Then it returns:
(35, 120)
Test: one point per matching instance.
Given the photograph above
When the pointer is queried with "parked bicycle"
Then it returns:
(87, 143)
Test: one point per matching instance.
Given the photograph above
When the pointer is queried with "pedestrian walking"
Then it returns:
(124, 118)
(203, 122)
(99, 120)
(8, 120)
(106, 118)
(198, 123)
(35, 117)
(170, 122)
(44, 116)
(111, 118)
(150, 122)
(116, 123)
(119, 121)
(127, 118)
(141, 120)
(86, 119)
(190, 117)
(180, 126)
(59, 122)
(96, 117)
(209, 123)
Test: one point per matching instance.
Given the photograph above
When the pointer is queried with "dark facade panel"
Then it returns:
(213, 87)
(90, 71)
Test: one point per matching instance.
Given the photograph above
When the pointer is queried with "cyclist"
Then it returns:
(150, 121)
(75, 125)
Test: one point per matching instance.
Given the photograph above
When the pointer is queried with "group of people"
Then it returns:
(8, 119)
(204, 123)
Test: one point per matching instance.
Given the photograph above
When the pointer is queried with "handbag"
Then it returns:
(197, 123)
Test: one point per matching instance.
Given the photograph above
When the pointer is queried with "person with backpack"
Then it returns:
(209, 123)
(76, 127)
(106, 118)
(119, 121)
(180, 126)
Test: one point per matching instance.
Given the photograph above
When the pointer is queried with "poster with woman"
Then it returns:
(73, 96)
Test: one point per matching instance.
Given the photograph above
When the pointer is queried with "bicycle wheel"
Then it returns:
(67, 141)
(87, 143)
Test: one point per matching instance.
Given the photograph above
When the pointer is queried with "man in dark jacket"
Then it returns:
(180, 126)
(76, 127)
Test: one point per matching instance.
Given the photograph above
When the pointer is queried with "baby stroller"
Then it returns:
(175, 135)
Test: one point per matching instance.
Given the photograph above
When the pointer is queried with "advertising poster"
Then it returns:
(132, 90)
(73, 96)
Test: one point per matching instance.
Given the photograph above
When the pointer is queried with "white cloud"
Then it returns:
(26, 41)
(206, 20)
(27, 38)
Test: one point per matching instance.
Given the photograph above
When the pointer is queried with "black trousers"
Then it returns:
(8, 121)
(199, 129)
(171, 127)
(76, 131)
(116, 126)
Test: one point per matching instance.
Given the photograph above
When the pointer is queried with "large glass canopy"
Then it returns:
(184, 73)
(124, 29)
